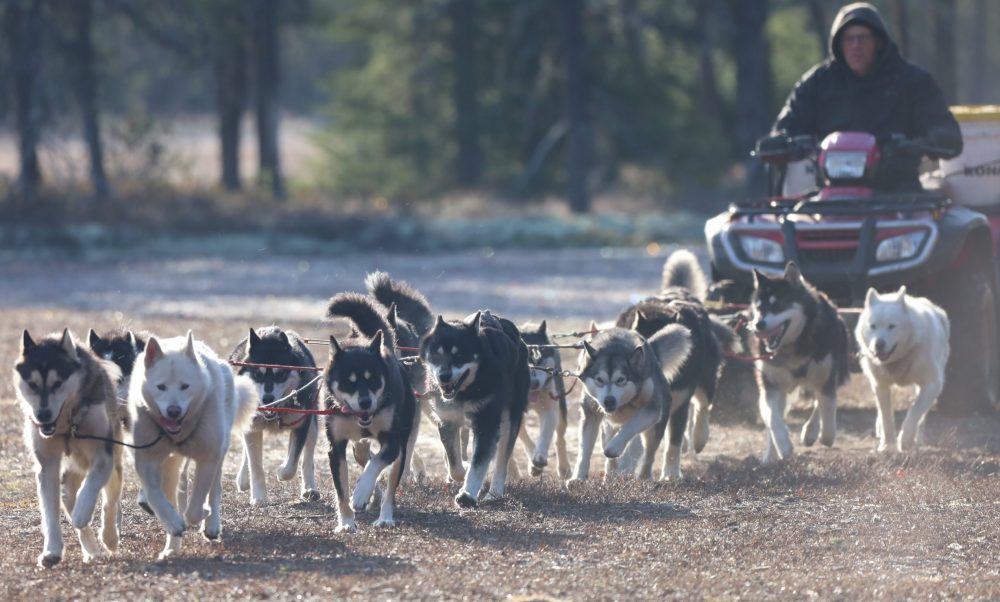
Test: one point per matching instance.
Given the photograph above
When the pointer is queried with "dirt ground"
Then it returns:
(840, 523)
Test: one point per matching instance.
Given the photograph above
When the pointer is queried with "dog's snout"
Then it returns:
(760, 325)
(444, 376)
(365, 402)
(174, 412)
(610, 401)
(267, 398)
(43, 415)
(879, 345)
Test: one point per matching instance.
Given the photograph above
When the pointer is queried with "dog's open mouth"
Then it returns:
(364, 419)
(171, 425)
(885, 354)
(450, 390)
(772, 337)
(268, 416)
(48, 429)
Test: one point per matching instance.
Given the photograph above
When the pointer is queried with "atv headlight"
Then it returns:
(763, 250)
(903, 246)
(845, 165)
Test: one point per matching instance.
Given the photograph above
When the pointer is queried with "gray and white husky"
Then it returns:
(184, 394)
(67, 393)
(276, 347)
(903, 341)
(804, 345)
(547, 399)
(626, 385)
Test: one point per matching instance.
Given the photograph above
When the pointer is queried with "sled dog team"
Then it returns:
(653, 374)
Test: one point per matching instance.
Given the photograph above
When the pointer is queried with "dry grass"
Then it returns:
(831, 524)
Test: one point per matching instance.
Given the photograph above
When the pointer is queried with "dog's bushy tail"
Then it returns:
(246, 399)
(411, 305)
(672, 345)
(683, 270)
(363, 314)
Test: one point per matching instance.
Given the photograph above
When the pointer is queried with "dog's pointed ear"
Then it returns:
(253, 339)
(477, 322)
(189, 346)
(637, 358)
(543, 329)
(153, 352)
(93, 339)
(132, 342)
(26, 341)
(901, 294)
(638, 320)
(593, 329)
(439, 323)
(376, 345)
(283, 338)
(334, 348)
(589, 349)
(391, 316)
(757, 276)
(792, 274)
(871, 296)
(68, 344)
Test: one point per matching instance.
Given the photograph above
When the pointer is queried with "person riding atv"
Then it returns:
(864, 119)
(865, 85)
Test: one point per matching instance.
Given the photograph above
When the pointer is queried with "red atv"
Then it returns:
(847, 236)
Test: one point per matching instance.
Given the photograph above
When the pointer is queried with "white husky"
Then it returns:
(181, 391)
(903, 341)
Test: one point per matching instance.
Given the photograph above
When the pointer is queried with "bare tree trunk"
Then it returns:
(580, 137)
(231, 85)
(753, 81)
(24, 39)
(945, 52)
(711, 99)
(86, 80)
(817, 20)
(469, 161)
(902, 26)
(264, 27)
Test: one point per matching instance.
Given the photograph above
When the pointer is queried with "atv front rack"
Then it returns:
(905, 204)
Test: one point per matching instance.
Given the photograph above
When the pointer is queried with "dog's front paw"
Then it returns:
(310, 495)
(81, 517)
(385, 523)
(166, 554)
(492, 496)
(346, 526)
(465, 500)
(906, 441)
(97, 554)
(243, 479)
(49, 559)
(359, 502)
(174, 525)
(211, 532)
(457, 475)
(285, 473)
(614, 450)
(194, 516)
(884, 447)
(810, 432)
(258, 499)
(575, 482)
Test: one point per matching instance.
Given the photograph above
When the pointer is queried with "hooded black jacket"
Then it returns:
(894, 97)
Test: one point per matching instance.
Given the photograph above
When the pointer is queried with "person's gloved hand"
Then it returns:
(899, 162)
(772, 146)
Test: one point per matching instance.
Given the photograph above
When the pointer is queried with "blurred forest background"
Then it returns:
(114, 108)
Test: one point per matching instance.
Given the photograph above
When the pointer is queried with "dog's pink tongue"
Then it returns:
(169, 423)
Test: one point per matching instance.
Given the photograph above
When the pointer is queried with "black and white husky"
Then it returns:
(65, 393)
(804, 344)
(626, 386)
(480, 365)
(547, 398)
(281, 388)
(369, 387)
(120, 347)
(680, 303)
(409, 314)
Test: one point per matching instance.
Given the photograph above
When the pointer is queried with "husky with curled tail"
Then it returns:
(187, 400)
(67, 394)
(409, 314)
(369, 391)
(694, 384)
